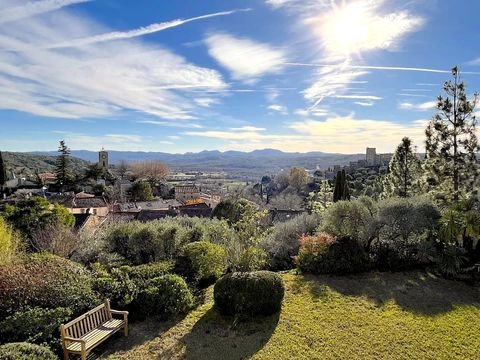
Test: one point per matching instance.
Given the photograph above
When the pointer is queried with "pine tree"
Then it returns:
(63, 172)
(404, 171)
(3, 173)
(341, 190)
(452, 144)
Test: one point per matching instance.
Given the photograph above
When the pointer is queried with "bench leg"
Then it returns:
(65, 355)
(84, 356)
(125, 330)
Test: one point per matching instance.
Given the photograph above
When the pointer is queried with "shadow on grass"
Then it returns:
(213, 337)
(140, 332)
(416, 291)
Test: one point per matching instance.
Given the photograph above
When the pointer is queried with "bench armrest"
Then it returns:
(118, 312)
(66, 338)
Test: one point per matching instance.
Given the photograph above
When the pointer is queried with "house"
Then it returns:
(82, 203)
(195, 209)
(186, 192)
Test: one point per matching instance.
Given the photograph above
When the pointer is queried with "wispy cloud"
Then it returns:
(358, 97)
(98, 80)
(144, 30)
(278, 108)
(418, 107)
(32, 8)
(206, 101)
(248, 128)
(177, 124)
(246, 59)
(364, 103)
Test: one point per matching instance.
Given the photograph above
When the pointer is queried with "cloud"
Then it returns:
(429, 105)
(97, 80)
(206, 102)
(174, 137)
(278, 3)
(248, 128)
(80, 141)
(144, 30)
(278, 108)
(246, 59)
(359, 97)
(32, 8)
(345, 134)
(177, 124)
(364, 103)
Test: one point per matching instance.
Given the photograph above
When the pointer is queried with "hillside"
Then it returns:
(28, 163)
(255, 163)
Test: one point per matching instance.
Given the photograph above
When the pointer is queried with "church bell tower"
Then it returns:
(103, 160)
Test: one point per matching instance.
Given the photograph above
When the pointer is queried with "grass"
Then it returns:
(373, 316)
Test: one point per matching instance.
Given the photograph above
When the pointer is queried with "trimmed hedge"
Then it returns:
(325, 254)
(117, 287)
(165, 295)
(246, 294)
(148, 271)
(203, 261)
(25, 351)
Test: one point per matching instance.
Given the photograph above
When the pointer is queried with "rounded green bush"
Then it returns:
(25, 351)
(249, 293)
(205, 261)
(148, 271)
(116, 287)
(164, 295)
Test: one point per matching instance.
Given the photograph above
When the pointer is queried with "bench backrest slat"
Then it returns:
(88, 321)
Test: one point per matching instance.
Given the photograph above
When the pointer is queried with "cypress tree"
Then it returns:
(3, 173)
(404, 170)
(451, 144)
(341, 191)
(63, 172)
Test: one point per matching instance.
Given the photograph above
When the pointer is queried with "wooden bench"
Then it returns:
(82, 334)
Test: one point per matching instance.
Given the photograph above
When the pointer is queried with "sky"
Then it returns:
(188, 75)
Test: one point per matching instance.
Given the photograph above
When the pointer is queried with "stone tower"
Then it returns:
(103, 160)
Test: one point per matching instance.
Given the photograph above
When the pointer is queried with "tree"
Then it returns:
(141, 190)
(319, 200)
(341, 191)
(404, 170)
(63, 172)
(298, 178)
(3, 173)
(153, 171)
(451, 144)
(122, 169)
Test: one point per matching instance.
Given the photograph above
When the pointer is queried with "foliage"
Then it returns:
(3, 173)
(145, 272)
(246, 294)
(404, 171)
(452, 144)
(325, 254)
(47, 281)
(57, 239)
(35, 214)
(63, 169)
(164, 295)
(351, 219)
(153, 171)
(204, 261)
(141, 190)
(10, 244)
(297, 178)
(286, 200)
(35, 325)
(25, 351)
(116, 287)
(319, 200)
(281, 244)
(452, 258)
(341, 190)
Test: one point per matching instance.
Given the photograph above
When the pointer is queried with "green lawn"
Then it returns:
(372, 316)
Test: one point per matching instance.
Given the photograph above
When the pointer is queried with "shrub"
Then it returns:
(203, 261)
(117, 287)
(252, 258)
(9, 244)
(281, 245)
(145, 272)
(25, 351)
(34, 325)
(325, 254)
(46, 281)
(165, 295)
(246, 294)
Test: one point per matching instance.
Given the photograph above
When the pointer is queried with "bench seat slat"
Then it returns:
(97, 335)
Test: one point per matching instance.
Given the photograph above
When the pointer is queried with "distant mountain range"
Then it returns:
(238, 163)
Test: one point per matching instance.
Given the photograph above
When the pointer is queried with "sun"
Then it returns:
(356, 26)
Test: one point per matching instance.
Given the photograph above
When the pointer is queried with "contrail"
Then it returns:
(367, 67)
(33, 8)
(144, 30)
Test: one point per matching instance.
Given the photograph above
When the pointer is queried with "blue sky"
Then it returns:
(189, 75)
